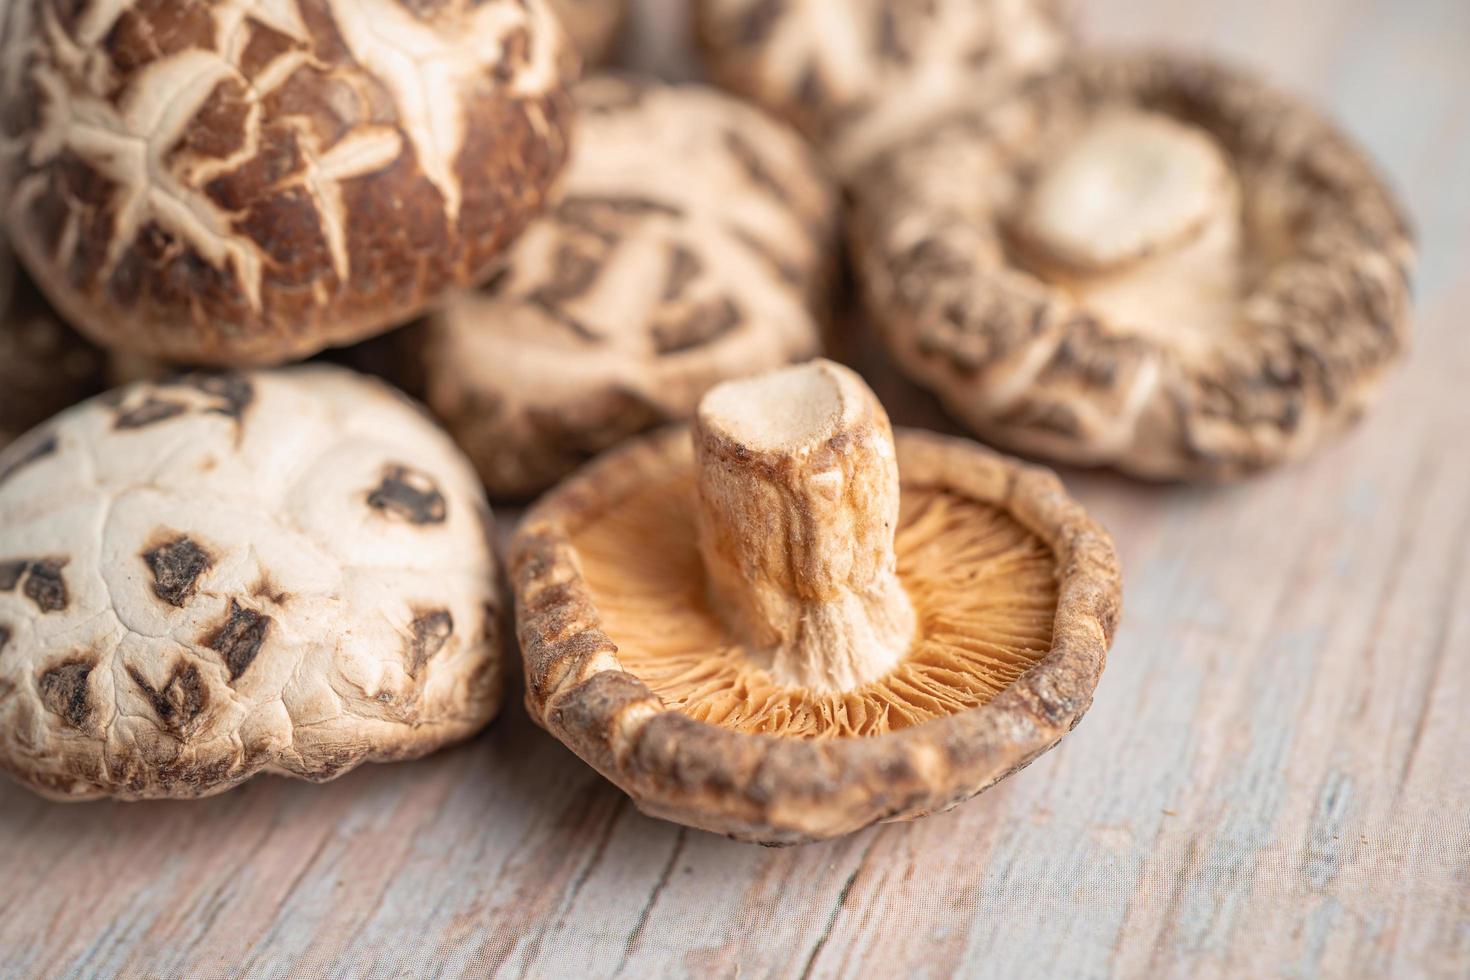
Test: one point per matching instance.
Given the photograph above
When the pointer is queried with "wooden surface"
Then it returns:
(1274, 780)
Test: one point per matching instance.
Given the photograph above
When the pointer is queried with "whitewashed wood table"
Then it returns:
(1275, 779)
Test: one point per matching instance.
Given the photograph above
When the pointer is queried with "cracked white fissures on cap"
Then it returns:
(251, 182)
(857, 75)
(216, 575)
(692, 244)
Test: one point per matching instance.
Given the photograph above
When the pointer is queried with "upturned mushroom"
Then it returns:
(692, 244)
(44, 366)
(785, 625)
(858, 75)
(1147, 261)
(217, 575)
(249, 183)
(593, 25)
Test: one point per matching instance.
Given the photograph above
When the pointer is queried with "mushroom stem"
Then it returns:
(798, 504)
(1134, 186)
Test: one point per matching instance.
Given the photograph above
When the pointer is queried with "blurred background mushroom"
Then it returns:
(595, 26)
(858, 75)
(1154, 262)
(692, 243)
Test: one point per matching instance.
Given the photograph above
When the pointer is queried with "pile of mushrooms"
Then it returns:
(743, 597)
(1144, 260)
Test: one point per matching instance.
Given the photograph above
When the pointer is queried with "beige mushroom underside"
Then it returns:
(768, 594)
(983, 590)
(1263, 326)
(785, 790)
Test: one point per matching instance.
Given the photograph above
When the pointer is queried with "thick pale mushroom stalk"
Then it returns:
(798, 505)
(1140, 217)
(1132, 186)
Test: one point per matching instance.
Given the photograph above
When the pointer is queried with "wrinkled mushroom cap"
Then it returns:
(691, 244)
(230, 184)
(1145, 260)
(1016, 594)
(44, 366)
(857, 75)
(593, 25)
(222, 574)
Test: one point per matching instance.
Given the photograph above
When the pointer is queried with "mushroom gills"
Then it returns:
(1140, 218)
(781, 586)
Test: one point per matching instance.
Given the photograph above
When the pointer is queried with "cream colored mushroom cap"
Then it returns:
(223, 574)
(693, 243)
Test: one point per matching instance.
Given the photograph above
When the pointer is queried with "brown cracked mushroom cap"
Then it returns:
(691, 244)
(44, 366)
(785, 625)
(593, 25)
(1146, 261)
(250, 183)
(217, 575)
(857, 75)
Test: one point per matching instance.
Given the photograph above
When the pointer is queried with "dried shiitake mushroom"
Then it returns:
(1146, 260)
(856, 75)
(594, 26)
(691, 245)
(44, 366)
(216, 575)
(786, 627)
(236, 183)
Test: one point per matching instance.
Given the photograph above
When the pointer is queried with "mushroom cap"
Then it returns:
(1238, 324)
(593, 25)
(615, 669)
(857, 75)
(216, 575)
(691, 245)
(247, 184)
(44, 366)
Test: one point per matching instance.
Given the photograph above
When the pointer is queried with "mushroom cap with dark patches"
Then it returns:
(781, 790)
(248, 184)
(1313, 311)
(858, 75)
(692, 244)
(212, 591)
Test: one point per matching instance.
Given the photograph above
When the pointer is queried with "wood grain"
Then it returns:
(1273, 781)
